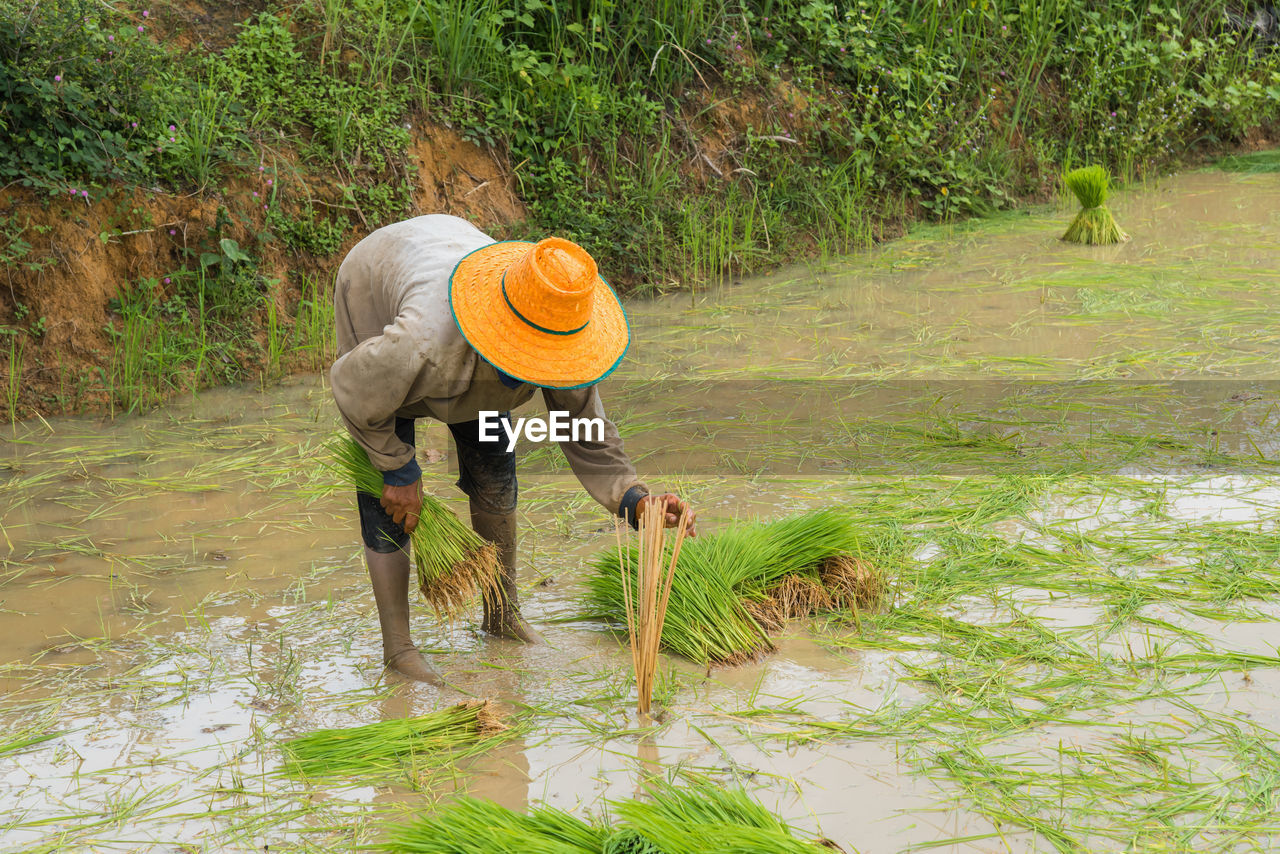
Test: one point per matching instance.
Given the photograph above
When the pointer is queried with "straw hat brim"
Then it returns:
(519, 350)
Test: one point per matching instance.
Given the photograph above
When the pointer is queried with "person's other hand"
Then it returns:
(403, 503)
(674, 507)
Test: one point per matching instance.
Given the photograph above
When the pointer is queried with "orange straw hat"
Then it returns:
(539, 312)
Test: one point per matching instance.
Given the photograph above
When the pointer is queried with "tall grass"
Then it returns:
(313, 326)
(13, 381)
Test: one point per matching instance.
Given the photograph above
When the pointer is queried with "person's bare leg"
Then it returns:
(502, 612)
(389, 575)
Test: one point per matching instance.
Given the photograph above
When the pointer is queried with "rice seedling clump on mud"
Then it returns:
(702, 818)
(1094, 224)
(729, 590)
(454, 562)
(396, 747)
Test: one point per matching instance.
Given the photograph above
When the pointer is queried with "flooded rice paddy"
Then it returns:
(1078, 445)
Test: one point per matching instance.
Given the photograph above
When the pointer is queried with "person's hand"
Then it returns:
(403, 503)
(674, 507)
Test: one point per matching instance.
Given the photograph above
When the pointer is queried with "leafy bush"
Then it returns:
(83, 93)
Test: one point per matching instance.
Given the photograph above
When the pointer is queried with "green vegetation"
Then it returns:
(394, 748)
(1094, 224)
(454, 562)
(695, 817)
(678, 142)
(731, 588)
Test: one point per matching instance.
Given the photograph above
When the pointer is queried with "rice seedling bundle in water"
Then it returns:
(454, 562)
(1094, 224)
(729, 590)
(646, 601)
(702, 818)
(395, 747)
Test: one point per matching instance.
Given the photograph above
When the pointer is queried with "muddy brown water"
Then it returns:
(179, 590)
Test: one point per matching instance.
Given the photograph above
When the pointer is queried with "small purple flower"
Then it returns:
(141, 28)
(173, 139)
(173, 231)
(269, 182)
(262, 168)
(255, 194)
(133, 124)
(146, 13)
(74, 191)
(172, 128)
(57, 78)
(1113, 114)
(84, 193)
(167, 280)
(111, 38)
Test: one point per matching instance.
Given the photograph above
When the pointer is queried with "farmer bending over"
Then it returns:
(436, 320)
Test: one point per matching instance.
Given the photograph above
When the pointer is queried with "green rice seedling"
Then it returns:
(473, 826)
(698, 818)
(454, 562)
(393, 747)
(704, 817)
(729, 590)
(1094, 224)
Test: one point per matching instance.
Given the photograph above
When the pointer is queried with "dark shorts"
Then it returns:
(486, 473)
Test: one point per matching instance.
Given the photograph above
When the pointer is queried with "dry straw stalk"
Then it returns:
(646, 604)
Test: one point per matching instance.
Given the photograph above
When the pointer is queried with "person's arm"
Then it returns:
(600, 463)
(369, 384)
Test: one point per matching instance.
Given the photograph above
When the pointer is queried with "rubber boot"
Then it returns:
(389, 574)
(502, 611)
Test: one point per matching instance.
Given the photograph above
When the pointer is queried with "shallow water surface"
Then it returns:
(1077, 443)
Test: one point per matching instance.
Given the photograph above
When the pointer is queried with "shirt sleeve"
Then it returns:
(373, 380)
(597, 459)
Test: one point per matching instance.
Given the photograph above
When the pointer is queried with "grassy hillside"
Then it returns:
(183, 177)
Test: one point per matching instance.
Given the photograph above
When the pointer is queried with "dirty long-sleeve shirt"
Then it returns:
(400, 353)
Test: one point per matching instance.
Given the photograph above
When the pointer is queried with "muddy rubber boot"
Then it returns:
(502, 612)
(389, 574)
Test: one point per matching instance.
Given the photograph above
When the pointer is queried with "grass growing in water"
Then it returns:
(1094, 224)
(729, 590)
(454, 562)
(390, 748)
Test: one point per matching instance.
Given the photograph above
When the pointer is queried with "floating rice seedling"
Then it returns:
(700, 818)
(393, 748)
(646, 601)
(729, 590)
(454, 562)
(1094, 224)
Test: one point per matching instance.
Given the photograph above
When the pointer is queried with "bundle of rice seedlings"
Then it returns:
(454, 562)
(646, 591)
(473, 826)
(700, 819)
(394, 748)
(704, 817)
(730, 590)
(1094, 224)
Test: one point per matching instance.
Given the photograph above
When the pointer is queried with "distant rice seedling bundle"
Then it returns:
(392, 748)
(454, 562)
(1094, 224)
(646, 599)
(702, 818)
(728, 591)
